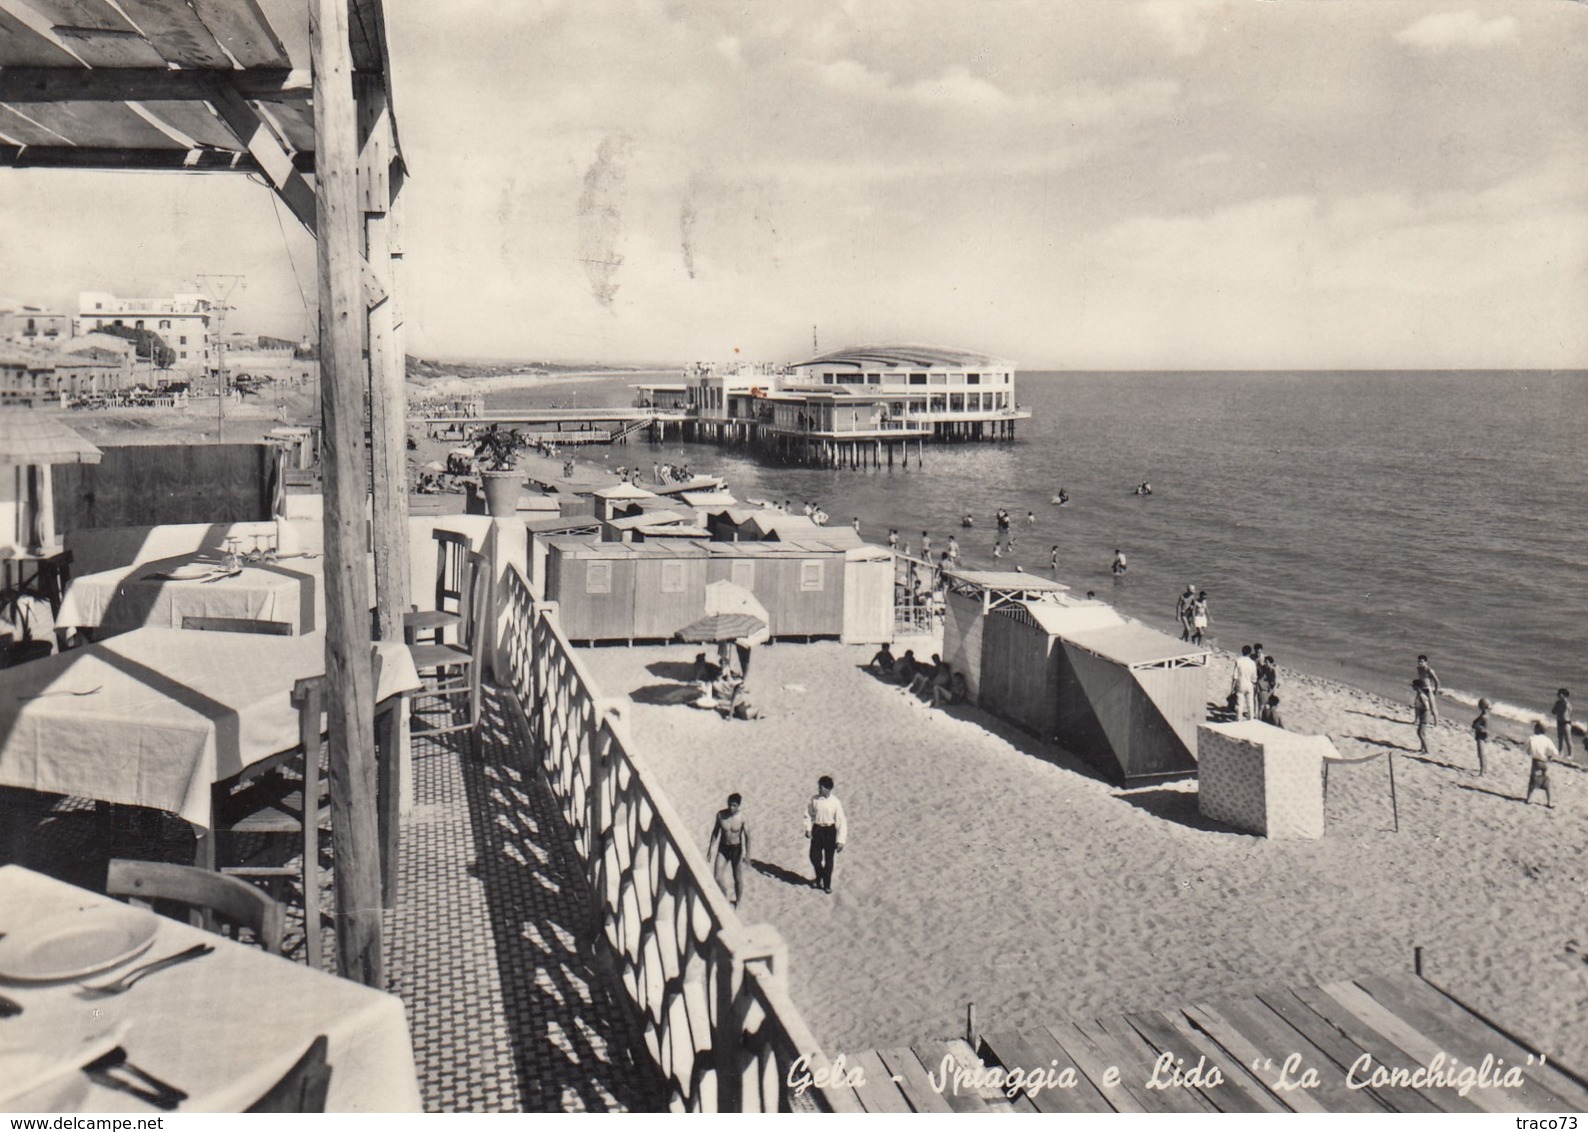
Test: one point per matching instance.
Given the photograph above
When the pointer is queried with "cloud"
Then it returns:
(1457, 31)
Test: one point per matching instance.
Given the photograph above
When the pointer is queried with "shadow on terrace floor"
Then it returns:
(491, 942)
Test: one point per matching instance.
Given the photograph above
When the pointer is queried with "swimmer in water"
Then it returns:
(1120, 566)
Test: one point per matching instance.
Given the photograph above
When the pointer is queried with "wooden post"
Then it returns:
(350, 691)
(378, 188)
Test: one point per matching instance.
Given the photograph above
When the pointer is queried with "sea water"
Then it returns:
(1348, 521)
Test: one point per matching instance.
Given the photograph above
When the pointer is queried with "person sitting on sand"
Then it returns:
(704, 673)
(922, 680)
(1422, 712)
(1480, 733)
(904, 671)
(942, 686)
(1271, 711)
(882, 664)
(1542, 752)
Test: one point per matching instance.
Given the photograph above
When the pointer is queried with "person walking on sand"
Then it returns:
(728, 847)
(1422, 712)
(1245, 685)
(1562, 711)
(827, 830)
(1199, 617)
(1542, 752)
(1480, 733)
(953, 550)
(1430, 680)
(926, 546)
(893, 539)
(1182, 610)
(1120, 565)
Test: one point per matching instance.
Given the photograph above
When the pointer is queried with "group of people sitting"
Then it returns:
(722, 685)
(936, 679)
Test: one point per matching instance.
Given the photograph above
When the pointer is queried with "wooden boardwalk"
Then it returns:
(1364, 1042)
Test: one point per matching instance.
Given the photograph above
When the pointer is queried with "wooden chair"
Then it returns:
(233, 900)
(282, 797)
(237, 625)
(429, 626)
(451, 672)
(304, 1087)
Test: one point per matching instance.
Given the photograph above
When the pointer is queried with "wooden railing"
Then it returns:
(709, 993)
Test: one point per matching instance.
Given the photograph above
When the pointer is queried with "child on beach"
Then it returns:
(1480, 733)
(1423, 712)
(1542, 752)
(1562, 712)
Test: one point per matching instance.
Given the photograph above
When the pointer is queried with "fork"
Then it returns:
(124, 984)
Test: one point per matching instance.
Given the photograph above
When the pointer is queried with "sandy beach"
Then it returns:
(985, 866)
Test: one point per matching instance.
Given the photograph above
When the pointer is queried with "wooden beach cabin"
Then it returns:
(970, 595)
(868, 595)
(801, 582)
(542, 531)
(1021, 659)
(610, 502)
(592, 583)
(1129, 700)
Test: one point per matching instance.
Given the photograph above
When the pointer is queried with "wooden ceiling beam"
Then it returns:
(127, 159)
(146, 84)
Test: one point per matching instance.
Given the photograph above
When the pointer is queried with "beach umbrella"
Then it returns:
(28, 437)
(715, 628)
(730, 597)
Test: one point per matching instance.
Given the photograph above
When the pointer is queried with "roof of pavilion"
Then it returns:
(201, 86)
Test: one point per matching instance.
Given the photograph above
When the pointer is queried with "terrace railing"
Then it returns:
(709, 993)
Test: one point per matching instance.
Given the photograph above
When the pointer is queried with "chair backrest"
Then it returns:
(237, 625)
(233, 899)
(452, 564)
(304, 1087)
(472, 632)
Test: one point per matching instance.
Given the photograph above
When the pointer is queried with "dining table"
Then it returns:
(201, 586)
(156, 717)
(221, 1028)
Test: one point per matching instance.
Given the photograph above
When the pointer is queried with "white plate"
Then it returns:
(75, 944)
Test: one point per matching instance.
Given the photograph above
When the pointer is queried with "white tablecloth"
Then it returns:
(130, 597)
(163, 714)
(223, 1028)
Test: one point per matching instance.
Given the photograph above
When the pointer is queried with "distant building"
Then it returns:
(182, 322)
(34, 326)
(955, 392)
(44, 377)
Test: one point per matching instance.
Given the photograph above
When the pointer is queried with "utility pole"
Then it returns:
(815, 349)
(218, 289)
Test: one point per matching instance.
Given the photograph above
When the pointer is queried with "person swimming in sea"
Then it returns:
(1144, 489)
(968, 521)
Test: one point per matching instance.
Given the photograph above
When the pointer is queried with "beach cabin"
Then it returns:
(868, 595)
(610, 502)
(970, 595)
(1262, 779)
(1021, 658)
(542, 531)
(592, 583)
(1129, 700)
(800, 583)
(633, 528)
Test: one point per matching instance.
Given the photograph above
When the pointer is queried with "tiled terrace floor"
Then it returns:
(491, 941)
(489, 946)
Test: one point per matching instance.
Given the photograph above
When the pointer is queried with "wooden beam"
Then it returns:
(243, 120)
(146, 84)
(148, 160)
(350, 707)
(387, 398)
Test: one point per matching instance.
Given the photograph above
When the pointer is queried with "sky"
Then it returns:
(1073, 184)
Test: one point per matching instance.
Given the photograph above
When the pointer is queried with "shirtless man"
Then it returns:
(728, 847)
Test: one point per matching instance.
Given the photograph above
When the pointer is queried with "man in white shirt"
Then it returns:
(1245, 684)
(827, 830)
(1542, 750)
